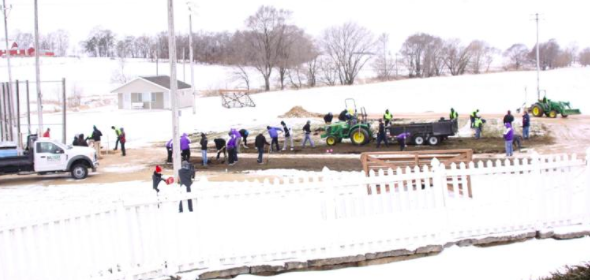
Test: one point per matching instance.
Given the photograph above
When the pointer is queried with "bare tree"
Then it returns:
(584, 57)
(350, 47)
(422, 55)
(61, 42)
(548, 53)
(267, 28)
(293, 50)
(24, 40)
(241, 56)
(456, 56)
(481, 56)
(517, 56)
(384, 63)
(328, 70)
(312, 67)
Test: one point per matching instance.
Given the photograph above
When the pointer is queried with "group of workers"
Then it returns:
(236, 139)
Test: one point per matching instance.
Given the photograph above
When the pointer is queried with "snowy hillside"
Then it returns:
(492, 93)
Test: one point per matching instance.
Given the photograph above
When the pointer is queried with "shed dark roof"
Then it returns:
(164, 81)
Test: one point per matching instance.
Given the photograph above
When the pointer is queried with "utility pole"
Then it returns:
(38, 73)
(173, 89)
(183, 66)
(9, 99)
(190, 47)
(538, 63)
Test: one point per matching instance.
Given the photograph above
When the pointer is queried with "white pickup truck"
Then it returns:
(44, 156)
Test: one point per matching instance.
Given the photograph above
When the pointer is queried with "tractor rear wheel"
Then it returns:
(537, 111)
(553, 114)
(331, 140)
(359, 137)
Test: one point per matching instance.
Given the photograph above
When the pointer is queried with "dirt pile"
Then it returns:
(299, 112)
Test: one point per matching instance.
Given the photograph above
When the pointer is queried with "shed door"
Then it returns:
(157, 100)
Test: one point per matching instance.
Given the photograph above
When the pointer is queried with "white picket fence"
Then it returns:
(329, 215)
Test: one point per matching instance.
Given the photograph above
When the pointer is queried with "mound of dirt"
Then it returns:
(299, 112)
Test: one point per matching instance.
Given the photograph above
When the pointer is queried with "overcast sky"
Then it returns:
(500, 22)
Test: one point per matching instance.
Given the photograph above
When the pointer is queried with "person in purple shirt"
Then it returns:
(508, 138)
(185, 147)
(273, 132)
(402, 139)
(231, 148)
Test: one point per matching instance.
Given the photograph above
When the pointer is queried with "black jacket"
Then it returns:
(219, 143)
(382, 129)
(508, 119)
(96, 134)
(204, 142)
(156, 179)
(328, 118)
(342, 116)
(307, 128)
(260, 141)
(186, 176)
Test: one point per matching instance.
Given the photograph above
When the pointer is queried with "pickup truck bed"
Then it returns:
(16, 164)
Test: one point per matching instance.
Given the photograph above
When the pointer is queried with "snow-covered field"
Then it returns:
(491, 93)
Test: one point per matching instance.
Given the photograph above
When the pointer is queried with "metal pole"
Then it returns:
(28, 110)
(538, 63)
(183, 66)
(173, 88)
(38, 73)
(190, 43)
(18, 137)
(63, 86)
(9, 110)
(9, 89)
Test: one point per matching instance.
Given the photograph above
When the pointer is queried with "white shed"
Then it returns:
(152, 93)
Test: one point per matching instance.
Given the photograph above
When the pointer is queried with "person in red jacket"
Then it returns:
(122, 140)
(46, 134)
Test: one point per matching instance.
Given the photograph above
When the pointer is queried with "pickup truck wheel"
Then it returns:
(79, 171)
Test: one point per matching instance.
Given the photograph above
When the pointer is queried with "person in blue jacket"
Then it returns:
(273, 132)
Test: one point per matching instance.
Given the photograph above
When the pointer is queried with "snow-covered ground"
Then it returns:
(521, 261)
(491, 93)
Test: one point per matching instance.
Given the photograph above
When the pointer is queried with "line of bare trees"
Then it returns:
(57, 41)
(285, 56)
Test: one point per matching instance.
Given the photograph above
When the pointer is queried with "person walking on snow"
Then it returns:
(526, 125)
(387, 117)
(288, 135)
(508, 138)
(307, 132)
(231, 148)
(273, 132)
(118, 134)
(96, 135)
(402, 140)
(244, 133)
(259, 142)
(47, 133)
(381, 135)
(454, 115)
(169, 150)
(123, 140)
(185, 147)
(204, 142)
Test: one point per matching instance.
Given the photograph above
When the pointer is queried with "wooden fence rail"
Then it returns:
(327, 215)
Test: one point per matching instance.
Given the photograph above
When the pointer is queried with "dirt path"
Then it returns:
(569, 135)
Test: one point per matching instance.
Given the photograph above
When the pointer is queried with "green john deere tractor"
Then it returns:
(357, 128)
(552, 108)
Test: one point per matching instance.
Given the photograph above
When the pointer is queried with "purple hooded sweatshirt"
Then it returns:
(403, 136)
(232, 141)
(508, 133)
(184, 142)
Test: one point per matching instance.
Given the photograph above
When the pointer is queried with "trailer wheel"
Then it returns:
(433, 141)
(79, 171)
(419, 140)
